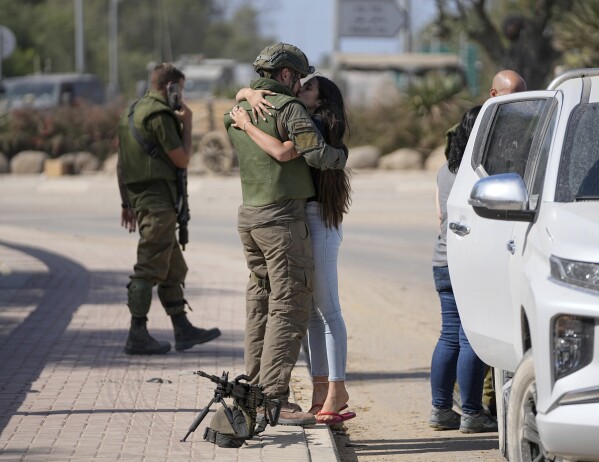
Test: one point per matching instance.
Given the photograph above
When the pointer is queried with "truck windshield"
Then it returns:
(578, 177)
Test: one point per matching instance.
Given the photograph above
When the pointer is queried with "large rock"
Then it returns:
(402, 159)
(81, 162)
(4, 166)
(196, 164)
(363, 157)
(436, 159)
(28, 162)
(109, 165)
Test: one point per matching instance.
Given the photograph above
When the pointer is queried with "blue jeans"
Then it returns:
(453, 356)
(327, 336)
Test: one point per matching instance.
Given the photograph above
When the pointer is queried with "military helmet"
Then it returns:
(280, 55)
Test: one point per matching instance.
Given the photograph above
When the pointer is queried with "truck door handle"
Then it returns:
(457, 228)
(511, 246)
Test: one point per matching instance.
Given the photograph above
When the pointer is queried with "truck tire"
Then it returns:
(524, 444)
(217, 152)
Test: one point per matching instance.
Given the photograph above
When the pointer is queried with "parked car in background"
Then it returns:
(523, 250)
(45, 91)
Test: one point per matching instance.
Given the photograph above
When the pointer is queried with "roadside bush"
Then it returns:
(62, 130)
(417, 118)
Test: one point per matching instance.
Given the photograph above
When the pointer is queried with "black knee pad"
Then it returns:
(139, 297)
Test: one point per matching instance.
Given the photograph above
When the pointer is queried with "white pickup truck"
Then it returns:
(523, 250)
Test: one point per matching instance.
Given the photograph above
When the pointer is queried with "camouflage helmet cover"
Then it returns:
(280, 55)
(221, 433)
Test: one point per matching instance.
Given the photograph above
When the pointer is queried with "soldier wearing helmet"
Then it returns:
(272, 224)
(282, 55)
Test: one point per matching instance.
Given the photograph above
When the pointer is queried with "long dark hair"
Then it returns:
(460, 139)
(333, 185)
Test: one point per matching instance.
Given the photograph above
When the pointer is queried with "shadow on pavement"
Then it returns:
(42, 337)
(414, 375)
(108, 411)
(27, 348)
(383, 448)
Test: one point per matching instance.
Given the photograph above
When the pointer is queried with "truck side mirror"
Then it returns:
(501, 197)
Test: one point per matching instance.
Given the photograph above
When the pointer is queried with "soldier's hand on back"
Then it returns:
(260, 105)
(240, 116)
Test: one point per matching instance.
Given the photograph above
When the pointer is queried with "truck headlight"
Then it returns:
(573, 338)
(577, 273)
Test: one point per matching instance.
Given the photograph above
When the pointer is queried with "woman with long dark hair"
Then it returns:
(327, 335)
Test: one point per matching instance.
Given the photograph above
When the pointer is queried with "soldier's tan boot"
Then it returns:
(291, 414)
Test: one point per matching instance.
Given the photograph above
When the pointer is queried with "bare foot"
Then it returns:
(337, 398)
(319, 394)
(315, 409)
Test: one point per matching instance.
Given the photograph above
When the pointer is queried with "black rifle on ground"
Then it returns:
(182, 207)
(246, 397)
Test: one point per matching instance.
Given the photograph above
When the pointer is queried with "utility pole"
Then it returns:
(79, 37)
(336, 41)
(408, 46)
(113, 59)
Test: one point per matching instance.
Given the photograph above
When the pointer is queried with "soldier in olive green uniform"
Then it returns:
(148, 186)
(273, 229)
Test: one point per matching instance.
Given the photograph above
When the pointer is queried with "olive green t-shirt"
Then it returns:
(153, 195)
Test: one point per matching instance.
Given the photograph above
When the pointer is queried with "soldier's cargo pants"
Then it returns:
(278, 301)
(159, 261)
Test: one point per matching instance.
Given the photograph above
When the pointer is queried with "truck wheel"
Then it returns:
(524, 444)
(216, 151)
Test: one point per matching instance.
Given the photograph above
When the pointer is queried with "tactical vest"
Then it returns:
(263, 179)
(137, 166)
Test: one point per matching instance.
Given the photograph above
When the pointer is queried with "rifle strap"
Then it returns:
(150, 148)
(222, 441)
(261, 422)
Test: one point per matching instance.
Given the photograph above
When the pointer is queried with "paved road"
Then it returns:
(387, 294)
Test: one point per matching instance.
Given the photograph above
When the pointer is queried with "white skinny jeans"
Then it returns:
(327, 336)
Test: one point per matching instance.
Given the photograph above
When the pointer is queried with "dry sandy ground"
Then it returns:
(393, 319)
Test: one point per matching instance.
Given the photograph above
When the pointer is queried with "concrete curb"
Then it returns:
(319, 438)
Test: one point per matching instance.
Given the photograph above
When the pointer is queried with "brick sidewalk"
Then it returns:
(67, 391)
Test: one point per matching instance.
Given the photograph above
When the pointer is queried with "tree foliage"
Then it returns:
(417, 118)
(514, 34)
(579, 35)
(148, 31)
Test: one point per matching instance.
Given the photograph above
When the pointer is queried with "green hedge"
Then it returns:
(61, 130)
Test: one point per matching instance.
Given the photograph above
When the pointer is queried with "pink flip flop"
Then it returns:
(335, 418)
(347, 415)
